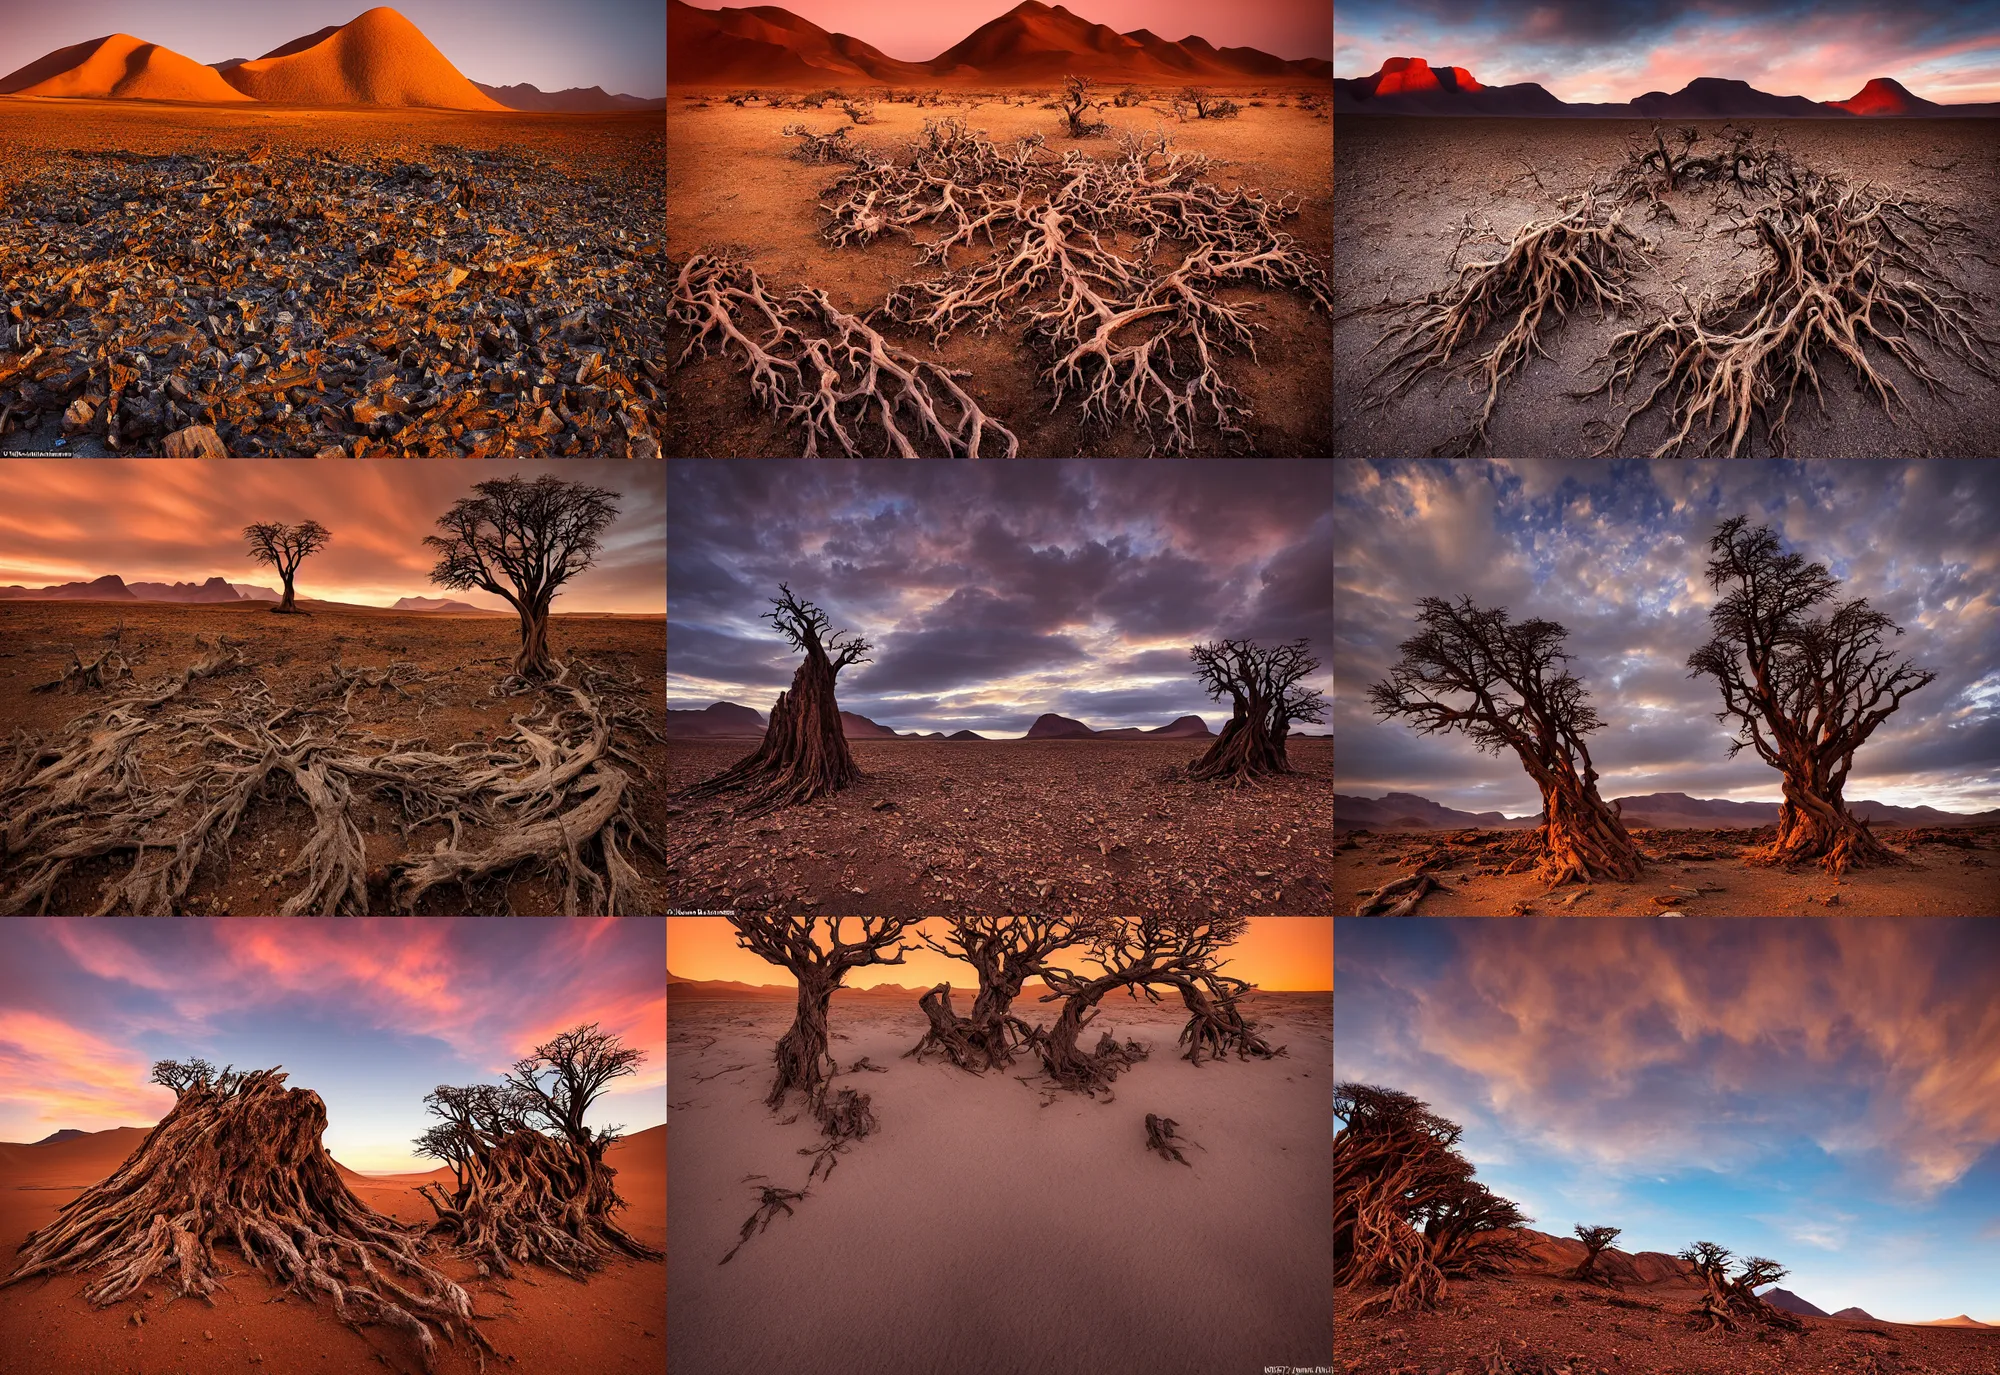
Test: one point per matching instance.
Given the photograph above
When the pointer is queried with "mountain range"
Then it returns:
(714, 990)
(377, 58)
(1032, 42)
(724, 720)
(1676, 811)
(1412, 86)
(111, 587)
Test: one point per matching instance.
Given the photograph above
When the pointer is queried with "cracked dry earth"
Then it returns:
(1528, 1325)
(339, 288)
(1009, 826)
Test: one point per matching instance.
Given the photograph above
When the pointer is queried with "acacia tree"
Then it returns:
(1805, 691)
(285, 547)
(239, 1161)
(522, 541)
(1407, 1212)
(793, 942)
(804, 752)
(530, 1180)
(1595, 1239)
(1505, 685)
(1006, 950)
(1266, 697)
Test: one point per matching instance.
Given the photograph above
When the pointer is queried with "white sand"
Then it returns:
(980, 1233)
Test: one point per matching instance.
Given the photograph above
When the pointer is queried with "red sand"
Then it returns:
(122, 67)
(380, 58)
(549, 1325)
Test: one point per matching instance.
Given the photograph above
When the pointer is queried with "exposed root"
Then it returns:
(767, 1209)
(100, 673)
(844, 1117)
(1160, 1137)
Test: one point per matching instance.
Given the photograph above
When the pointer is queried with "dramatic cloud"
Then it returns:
(1617, 553)
(1613, 50)
(370, 1013)
(1830, 1082)
(996, 592)
(173, 520)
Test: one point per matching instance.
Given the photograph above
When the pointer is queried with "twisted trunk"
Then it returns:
(804, 752)
(1247, 748)
(1582, 839)
(534, 660)
(802, 1060)
(286, 604)
(1814, 823)
(530, 1197)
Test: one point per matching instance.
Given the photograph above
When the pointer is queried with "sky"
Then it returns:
(996, 592)
(1275, 953)
(1824, 1090)
(1613, 50)
(1617, 552)
(620, 45)
(918, 30)
(172, 520)
(369, 1014)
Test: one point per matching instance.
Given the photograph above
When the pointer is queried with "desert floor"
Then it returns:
(1012, 826)
(164, 230)
(464, 656)
(1406, 187)
(541, 1320)
(1941, 881)
(731, 182)
(980, 1232)
(1538, 1325)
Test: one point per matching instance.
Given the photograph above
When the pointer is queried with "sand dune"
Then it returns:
(120, 67)
(380, 58)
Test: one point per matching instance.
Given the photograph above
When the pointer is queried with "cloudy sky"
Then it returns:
(1618, 553)
(996, 592)
(1613, 50)
(181, 520)
(371, 1015)
(1824, 1091)
(1290, 953)
(554, 44)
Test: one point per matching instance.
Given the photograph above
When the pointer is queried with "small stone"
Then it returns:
(331, 451)
(78, 416)
(196, 441)
(367, 412)
(207, 1335)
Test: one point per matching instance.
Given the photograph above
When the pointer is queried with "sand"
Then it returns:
(615, 1323)
(1406, 185)
(380, 58)
(981, 1233)
(731, 182)
(121, 67)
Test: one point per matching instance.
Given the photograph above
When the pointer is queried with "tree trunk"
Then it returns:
(949, 1032)
(1245, 749)
(535, 1198)
(1217, 1026)
(804, 753)
(534, 660)
(286, 604)
(1067, 1063)
(1582, 840)
(803, 1063)
(1814, 824)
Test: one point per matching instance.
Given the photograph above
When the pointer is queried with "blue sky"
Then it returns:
(1823, 1091)
(371, 1015)
(1617, 552)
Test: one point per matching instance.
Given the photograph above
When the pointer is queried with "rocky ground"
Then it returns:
(414, 284)
(1079, 826)
(1538, 1325)
(1951, 871)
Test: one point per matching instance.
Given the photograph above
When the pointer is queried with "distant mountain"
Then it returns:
(1053, 727)
(214, 590)
(1050, 726)
(861, 728)
(109, 587)
(1857, 1314)
(965, 735)
(1960, 1321)
(1409, 812)
(1412, 86)
(575, 100)
(723, 718)
(1792, 1303)
(1662, 811)
(251, 592)
(445, 604)
(66, 1134)
(115, 588)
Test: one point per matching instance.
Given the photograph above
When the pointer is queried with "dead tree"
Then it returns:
(1804, 691)
(1006, 951)
(1595, 1239)
(531, 1182)
(1077, 105)
(794, 943)
(1215, 1023)
(1266, 697)
(1733, 1297)
(1129, 953)
(1407, 1212)
(1505, 685)
(285, 547)
(239, 1162)
(804, 752)
(522, 541)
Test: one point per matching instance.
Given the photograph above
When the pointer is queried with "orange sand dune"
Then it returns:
(120, 67)
(380, 58)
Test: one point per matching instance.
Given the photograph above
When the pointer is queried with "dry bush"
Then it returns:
(831, 147)
(1127, 98)
(1077, 105)
(859, 113)
(1208, 105)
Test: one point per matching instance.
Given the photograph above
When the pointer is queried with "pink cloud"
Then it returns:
(66, 1076)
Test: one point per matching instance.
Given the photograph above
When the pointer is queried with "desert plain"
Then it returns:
(986, 1227)
(440, 695)
(541, 1321)
(998, 826)
(1417, 198)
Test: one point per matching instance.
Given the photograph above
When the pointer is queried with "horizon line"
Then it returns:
(1485, 85)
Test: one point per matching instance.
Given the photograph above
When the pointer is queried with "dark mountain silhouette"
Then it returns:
(575, 100)
(1412, 86)
(1189, 726)
(1031, 42)
(1858, 1314)
(723, 718)
(1050, 726)
(1663, 810)
(965, 735)
(1398, 812)
(1792, 1303)
(66, 1134)
(214, 590)
(444, 605)
(110, 587)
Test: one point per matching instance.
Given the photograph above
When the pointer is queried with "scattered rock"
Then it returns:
(196, 441)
